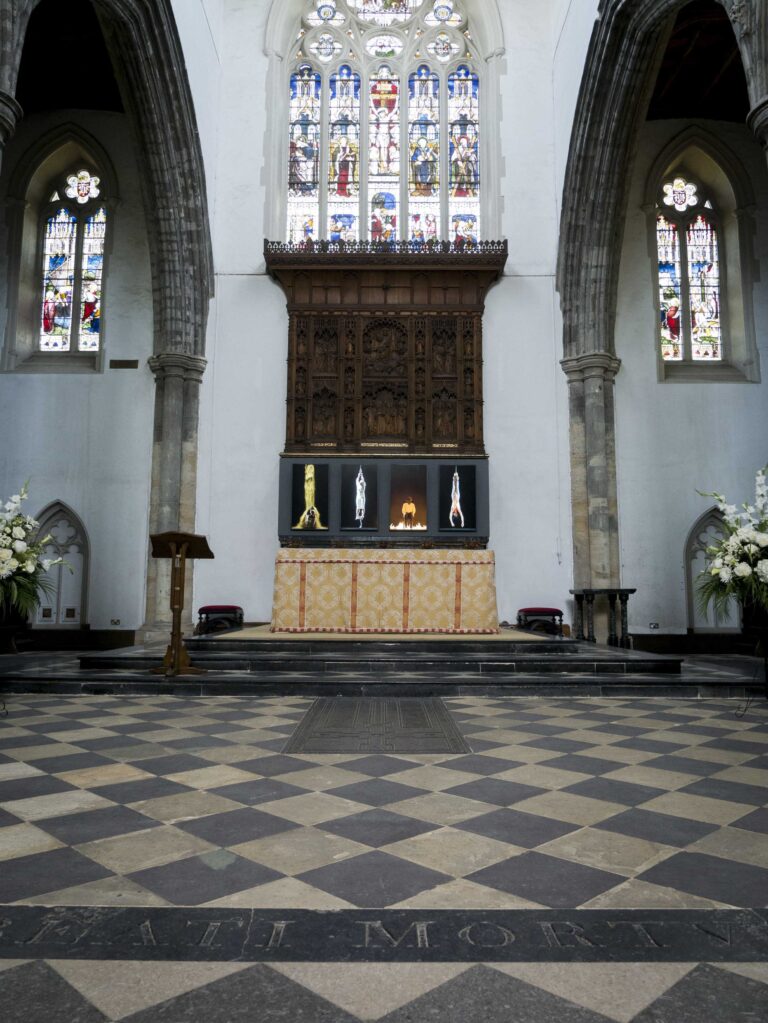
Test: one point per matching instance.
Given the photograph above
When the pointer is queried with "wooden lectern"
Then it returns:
(178, 547)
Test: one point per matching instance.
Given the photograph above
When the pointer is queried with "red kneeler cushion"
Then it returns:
(539, 611)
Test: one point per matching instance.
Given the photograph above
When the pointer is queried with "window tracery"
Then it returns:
(407, 166)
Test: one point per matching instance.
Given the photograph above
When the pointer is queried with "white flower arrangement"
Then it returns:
(737, 566)
(22, 565)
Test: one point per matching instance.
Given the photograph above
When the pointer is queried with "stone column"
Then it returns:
(10, 115)
(593, 468)
(174, 478)
(757, 121)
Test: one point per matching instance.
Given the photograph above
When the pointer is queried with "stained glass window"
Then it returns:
(384, 138)
(384, 154)
(464, 187)
(73, 266)
(424, 155)
(59, 262)
(344, 156)
(304, 155)
(689, 275)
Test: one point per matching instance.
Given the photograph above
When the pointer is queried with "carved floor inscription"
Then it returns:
(377, 725)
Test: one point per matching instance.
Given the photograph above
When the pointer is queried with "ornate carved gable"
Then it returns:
(385, 346)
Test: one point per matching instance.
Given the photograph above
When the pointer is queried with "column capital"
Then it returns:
(757, 121)
(175, 364)
(10, 115)
(591, 364)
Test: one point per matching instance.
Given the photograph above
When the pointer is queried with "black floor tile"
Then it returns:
(495, 790)
(732, 791)
(614, 791)
(684, 765)
(374, 879)
(524, 829)
(736, 746)
(35, 993)
(175, 763)
(650, 745)
(584, 763)
(235, 826)
(755, 821)
(709, 995)
(93, 825)
(657, 827)
(268, 767)
(256, 993)
(260, 790)
(197, 742)
(145, 788)
(473, 764)
(8, 819)
(27, 788)
(377, 792)
(72, 762)
(547, 880)
(378, 765)
(735, 884)
(20, 741)
(485, 994)
(558, 745)
(27, 876)
(377, 827)
(203, 878)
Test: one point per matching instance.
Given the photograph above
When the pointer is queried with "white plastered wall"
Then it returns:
(85, 439)
(676, 438)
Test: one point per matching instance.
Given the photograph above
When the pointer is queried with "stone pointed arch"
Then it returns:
(46, 145)
(67, 603)
(708, 528)
(614, 90)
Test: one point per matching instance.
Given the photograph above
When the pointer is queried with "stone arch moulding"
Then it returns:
(614, 88)
(48, 518)
(740, 264)
(22, 236)
(279, 37)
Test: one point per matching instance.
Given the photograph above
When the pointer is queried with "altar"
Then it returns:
(385, 591)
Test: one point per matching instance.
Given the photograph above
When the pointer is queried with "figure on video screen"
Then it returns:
(360, 499)
(456, 501)
(310, 517)
(409, 513)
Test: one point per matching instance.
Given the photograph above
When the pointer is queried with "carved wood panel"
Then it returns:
(385, 346)
(384, 382)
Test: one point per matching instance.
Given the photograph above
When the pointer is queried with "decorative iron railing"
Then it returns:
(377, 249)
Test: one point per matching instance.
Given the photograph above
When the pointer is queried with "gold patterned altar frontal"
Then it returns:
(399, 591)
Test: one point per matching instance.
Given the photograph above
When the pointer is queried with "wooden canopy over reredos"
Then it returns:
(385, 346)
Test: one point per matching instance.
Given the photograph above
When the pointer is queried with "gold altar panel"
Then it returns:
(397, 591)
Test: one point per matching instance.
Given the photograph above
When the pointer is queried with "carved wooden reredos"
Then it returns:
(385, 346)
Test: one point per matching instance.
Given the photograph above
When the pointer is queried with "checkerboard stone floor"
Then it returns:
(567, 803)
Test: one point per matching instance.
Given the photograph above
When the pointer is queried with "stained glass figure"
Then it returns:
(304, 155)
(385, 12)
(384, 154)
(668, 250)
(326, 13)
(325, 47)
(92, 266)
(424, 155)
(463, 116)
(344, 155)
(681, 194)
(82, 187)
(59, 264)
(443, 14)
(442, 47)
(704, 289)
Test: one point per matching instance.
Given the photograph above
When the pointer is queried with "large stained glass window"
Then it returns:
(73, 265)
(304, 155)
(384, 137)
(690, 327)
(384, 154)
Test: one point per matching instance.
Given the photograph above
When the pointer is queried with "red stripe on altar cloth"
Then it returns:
(353, 608)
(302, 595)
(457, 602)
(406, 595)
